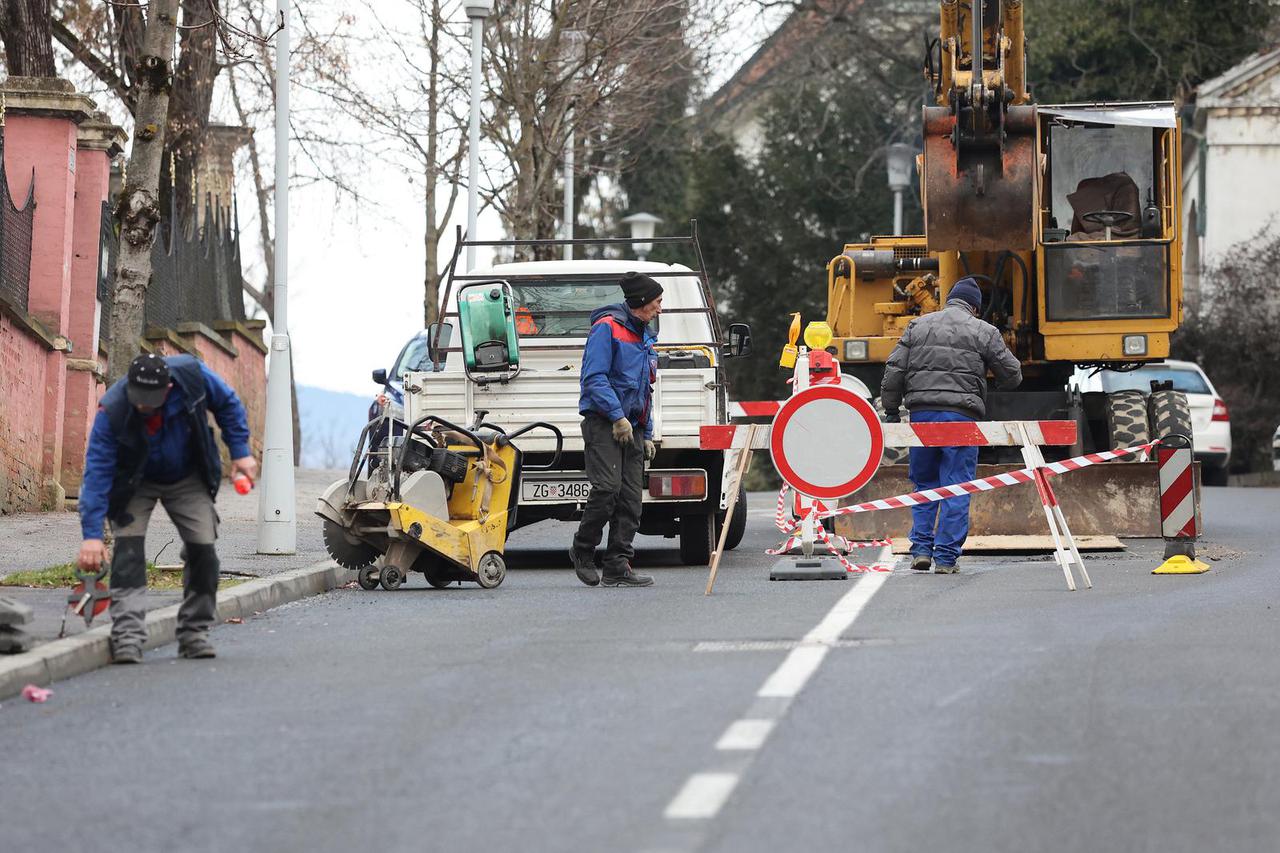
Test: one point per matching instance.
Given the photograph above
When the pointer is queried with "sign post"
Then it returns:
(826, 443)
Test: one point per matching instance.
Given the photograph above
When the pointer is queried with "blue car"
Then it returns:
(413, 356)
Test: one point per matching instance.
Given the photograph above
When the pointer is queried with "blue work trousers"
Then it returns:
(938, 529)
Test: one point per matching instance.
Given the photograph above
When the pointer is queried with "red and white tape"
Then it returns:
(835, 544)
(986, 484)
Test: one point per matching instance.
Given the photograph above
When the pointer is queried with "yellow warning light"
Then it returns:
(817, 335)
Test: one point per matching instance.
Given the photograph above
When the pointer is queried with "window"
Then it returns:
(1185, 380)
(1106, 282)
(1094, 168)
(561, 309)
(412, 357)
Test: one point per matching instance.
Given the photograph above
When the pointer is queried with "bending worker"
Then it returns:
(619, 366)
(151, 441)
(939, 369)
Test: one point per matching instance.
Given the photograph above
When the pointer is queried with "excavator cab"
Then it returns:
(1107, 230)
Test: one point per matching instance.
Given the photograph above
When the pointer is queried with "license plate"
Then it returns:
(561, 489)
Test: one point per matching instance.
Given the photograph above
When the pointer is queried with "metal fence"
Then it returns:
(195, 271)
(15, 239)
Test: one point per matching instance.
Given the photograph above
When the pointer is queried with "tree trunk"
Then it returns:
(139, 210)
(28, 38)
(188, 115)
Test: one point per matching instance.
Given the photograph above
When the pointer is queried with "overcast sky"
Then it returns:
(355, 274)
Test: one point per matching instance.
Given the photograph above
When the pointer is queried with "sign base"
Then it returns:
(808, 569)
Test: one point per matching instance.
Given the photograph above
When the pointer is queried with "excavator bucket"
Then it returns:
(979, 198)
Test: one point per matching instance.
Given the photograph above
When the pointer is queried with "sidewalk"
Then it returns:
(37, 540)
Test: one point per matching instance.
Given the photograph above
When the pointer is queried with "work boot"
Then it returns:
(585, 567)
(626, 578)
(197, 647)
(921, 564)
(126, 654)
(945, 569)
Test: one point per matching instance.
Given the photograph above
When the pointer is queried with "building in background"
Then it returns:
(1231, 164)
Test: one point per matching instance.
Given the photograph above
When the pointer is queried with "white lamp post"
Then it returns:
(477, 11)
(573, 53)
(642, 227)
(901, 159)
(277, 525)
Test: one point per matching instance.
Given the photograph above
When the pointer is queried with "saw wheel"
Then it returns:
(347, 552)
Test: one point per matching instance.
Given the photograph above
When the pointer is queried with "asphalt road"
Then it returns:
(986, 711)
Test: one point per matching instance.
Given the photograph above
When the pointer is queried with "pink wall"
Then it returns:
(93, 173)
(47, 146)
(22, 365)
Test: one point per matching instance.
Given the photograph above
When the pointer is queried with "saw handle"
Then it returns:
(555, 460)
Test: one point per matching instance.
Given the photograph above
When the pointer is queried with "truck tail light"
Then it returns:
(678, 485)
(1220, 410)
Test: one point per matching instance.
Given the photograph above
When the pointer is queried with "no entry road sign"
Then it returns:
(826, 442)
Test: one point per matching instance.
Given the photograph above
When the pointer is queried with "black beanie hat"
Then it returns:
(639, 289)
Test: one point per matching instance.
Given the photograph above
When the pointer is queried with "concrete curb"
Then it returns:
(86, 652)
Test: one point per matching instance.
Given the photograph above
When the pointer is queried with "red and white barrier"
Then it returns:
(969, 434)
(1177, 493)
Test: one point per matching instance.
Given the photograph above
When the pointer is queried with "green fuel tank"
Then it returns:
(487, 320)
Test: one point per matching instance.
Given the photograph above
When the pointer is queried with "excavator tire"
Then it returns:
(1127, 424)
(894, 455)
(1170, 414)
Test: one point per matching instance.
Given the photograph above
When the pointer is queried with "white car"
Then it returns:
(1210, 421)
(1275, 449)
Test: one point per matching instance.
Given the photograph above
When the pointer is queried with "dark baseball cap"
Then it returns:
(148, 381)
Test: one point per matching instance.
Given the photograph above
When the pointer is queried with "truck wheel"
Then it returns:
(737, 524)
(1127, 420)
(1170, 414)
(894, 455)
(697, 533)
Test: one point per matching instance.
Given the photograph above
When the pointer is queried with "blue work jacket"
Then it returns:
(619, 366)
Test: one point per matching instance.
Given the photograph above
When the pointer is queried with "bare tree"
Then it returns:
(415, 113)
(586, 67)
(139, 206)
(28, 43)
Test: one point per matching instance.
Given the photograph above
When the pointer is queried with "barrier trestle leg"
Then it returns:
(1064, 544)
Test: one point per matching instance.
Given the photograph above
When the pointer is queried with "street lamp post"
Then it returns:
(642, 227)
(573, 52)
(477, 11)
(900, 160)
(277, 524)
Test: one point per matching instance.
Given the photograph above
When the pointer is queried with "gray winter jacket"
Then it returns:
(941, 363)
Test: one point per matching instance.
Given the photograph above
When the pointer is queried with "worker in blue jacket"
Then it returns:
(619, 366)
(151, 441)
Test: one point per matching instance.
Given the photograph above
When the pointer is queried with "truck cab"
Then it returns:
(553, 302)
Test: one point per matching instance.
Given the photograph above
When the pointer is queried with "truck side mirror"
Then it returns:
(439, 337)
(739, 342)
(380, 376)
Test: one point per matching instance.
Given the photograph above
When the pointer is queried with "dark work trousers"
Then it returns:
(189, 506)
(616, 473)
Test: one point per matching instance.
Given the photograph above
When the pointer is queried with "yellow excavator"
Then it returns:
(1068, 216)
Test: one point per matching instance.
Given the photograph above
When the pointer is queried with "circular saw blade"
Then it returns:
(345, 552)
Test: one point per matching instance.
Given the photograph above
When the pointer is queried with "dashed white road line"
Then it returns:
(702, 796)
(705, 793)
(745, 734)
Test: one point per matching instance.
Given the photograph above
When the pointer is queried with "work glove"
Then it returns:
(622, 432)
(894, 417)
(650, 450)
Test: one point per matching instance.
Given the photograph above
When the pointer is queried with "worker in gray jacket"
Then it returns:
(939, 370)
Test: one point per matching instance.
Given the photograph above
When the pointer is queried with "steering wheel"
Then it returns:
(1108, 219)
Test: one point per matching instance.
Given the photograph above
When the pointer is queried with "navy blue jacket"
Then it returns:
(619, 365)
(124, 449)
